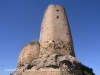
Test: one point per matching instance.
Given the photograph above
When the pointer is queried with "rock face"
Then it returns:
(54, 53)
(63, 64)
(54, 61)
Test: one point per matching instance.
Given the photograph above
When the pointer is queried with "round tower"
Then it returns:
(55, 35)
(29, 52)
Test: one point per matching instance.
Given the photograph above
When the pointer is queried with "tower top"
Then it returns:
(55, 5)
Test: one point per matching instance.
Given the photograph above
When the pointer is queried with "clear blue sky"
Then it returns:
(20, 22)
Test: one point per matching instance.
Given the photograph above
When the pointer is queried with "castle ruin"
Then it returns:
(54, 53)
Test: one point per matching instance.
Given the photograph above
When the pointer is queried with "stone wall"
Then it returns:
(43, 71)
(55, 32)
(29, 52)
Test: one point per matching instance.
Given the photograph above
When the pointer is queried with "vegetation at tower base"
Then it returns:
(86, 70)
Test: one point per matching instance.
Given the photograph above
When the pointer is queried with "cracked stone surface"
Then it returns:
(65, 63)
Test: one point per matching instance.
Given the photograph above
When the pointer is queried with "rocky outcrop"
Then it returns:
(54, 61)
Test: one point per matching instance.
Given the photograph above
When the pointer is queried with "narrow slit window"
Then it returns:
(57, 10)
(57, 17)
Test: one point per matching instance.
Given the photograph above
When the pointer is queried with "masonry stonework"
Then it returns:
(55, 33)
(29, 52)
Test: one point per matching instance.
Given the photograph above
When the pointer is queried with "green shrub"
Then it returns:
(86, 70)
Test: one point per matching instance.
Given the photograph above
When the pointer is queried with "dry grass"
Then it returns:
(32, 43)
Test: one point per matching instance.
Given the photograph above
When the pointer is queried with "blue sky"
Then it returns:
(20, 22)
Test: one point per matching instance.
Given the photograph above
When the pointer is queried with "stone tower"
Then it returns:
(54, 53)
(55, 36)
